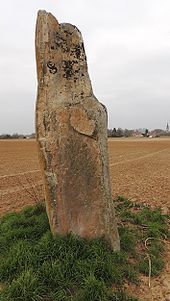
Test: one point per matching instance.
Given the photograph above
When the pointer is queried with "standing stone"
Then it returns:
(71, 127)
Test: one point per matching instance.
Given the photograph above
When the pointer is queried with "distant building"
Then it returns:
(167, 127)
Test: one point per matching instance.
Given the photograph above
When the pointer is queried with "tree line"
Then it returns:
(119, 132)
(17, 136)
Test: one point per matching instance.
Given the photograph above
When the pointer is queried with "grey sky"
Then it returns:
(127, 44)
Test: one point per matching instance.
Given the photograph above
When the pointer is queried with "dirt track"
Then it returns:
(139, 169)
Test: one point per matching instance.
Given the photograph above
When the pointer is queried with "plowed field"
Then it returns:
(139, 169)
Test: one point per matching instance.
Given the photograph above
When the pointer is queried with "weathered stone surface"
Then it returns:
(71, 128)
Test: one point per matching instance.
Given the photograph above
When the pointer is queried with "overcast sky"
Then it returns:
(127, 44)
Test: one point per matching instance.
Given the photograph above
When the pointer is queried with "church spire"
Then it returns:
(167, 127)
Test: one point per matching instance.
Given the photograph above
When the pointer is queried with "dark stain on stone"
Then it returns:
(49, 159)
(60, 42)
(104, 107)
(68, 69)
(82, 45)
(44, 123)
(59, 38)
(77, 29)
(67, 32)
(44, 69)
(52, 67)
(78, 51)
(82, 166)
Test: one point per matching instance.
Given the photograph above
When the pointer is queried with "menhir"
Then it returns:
(71, 128)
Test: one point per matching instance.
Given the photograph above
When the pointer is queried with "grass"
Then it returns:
(142, 233)
(34, 266)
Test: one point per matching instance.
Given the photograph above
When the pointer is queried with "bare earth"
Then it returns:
(139, 169)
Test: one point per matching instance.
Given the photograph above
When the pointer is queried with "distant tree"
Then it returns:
(128, 133)
(119, 132)
(146, 133)
(109, 133)
(114, 133)
(32, 136)
(15, 136)
(5, 136)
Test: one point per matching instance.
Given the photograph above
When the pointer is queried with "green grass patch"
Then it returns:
(142, 231)
(34, 266)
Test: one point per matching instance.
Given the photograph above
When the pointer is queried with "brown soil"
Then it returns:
(139, 170)
(20, 178)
